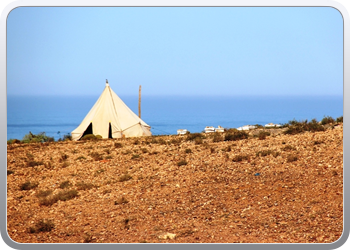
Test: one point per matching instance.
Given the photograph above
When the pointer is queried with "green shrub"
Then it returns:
(67, 137)
(314, 126)
(60, 196)
(153, 140)
(136, 142)
(267, 152)
(340, 119)
(176, 141)
(217, 137)
(192, 137)
(144, 150)
(84, 186)
(41, 137)
(153, 152)
(29, 185)
(327, 120)
(198, 140)
(262, 135)
(231, 130)
(101, 170)
(235, 135)
(13, 141)
(65, 184)
(287, 148)
(63, 157)
(188, 151)
(34, 163)
(43, 193)
(240, 157)
(67, 195)
(91, 137)
(42, 226)
(135, 156)
(80, 158)
(295, 127)
(127, 152)
(96, 156)
(161, 141)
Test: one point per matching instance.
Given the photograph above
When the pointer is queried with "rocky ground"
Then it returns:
(284, 188)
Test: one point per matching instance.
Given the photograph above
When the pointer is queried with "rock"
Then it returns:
(167, 236)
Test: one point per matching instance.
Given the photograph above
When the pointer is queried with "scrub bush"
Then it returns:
(340, 119)
(41, 137)
(91, 137)
(29, 185)
(235, 135)
(295, 127)
(42, 226)
(327, 120)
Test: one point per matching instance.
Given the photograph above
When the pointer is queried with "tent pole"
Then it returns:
(140, 102)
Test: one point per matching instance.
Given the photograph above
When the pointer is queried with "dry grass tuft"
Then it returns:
(84, 186)
(65, 184)
(60, 196)
(240, 157)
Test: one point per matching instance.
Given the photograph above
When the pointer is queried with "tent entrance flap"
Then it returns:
(110, 131)
(88, 130)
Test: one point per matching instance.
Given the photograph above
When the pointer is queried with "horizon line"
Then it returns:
(181, 95)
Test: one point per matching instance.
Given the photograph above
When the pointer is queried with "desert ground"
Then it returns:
(277, 188)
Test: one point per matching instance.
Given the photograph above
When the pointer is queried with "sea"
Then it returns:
(60, 115)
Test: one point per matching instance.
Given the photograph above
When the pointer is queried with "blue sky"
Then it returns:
(175, 51)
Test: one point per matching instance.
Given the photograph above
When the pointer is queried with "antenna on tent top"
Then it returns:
(106, 80)
(140, 102)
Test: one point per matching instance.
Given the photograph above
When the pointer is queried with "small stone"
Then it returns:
(167, 236)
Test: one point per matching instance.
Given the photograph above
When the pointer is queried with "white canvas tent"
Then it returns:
(111, 118)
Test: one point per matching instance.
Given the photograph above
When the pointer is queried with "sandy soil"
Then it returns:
(285, 188)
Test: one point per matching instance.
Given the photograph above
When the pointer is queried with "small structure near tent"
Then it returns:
(110, 117)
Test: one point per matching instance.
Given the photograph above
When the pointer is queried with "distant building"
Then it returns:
(181, 131)
(210, 129)
(271, 125)
(247, 127)
(219, 129)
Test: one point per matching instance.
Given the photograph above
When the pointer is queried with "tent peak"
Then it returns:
(107, 82)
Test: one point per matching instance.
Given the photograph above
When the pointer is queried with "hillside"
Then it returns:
(284, 188)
